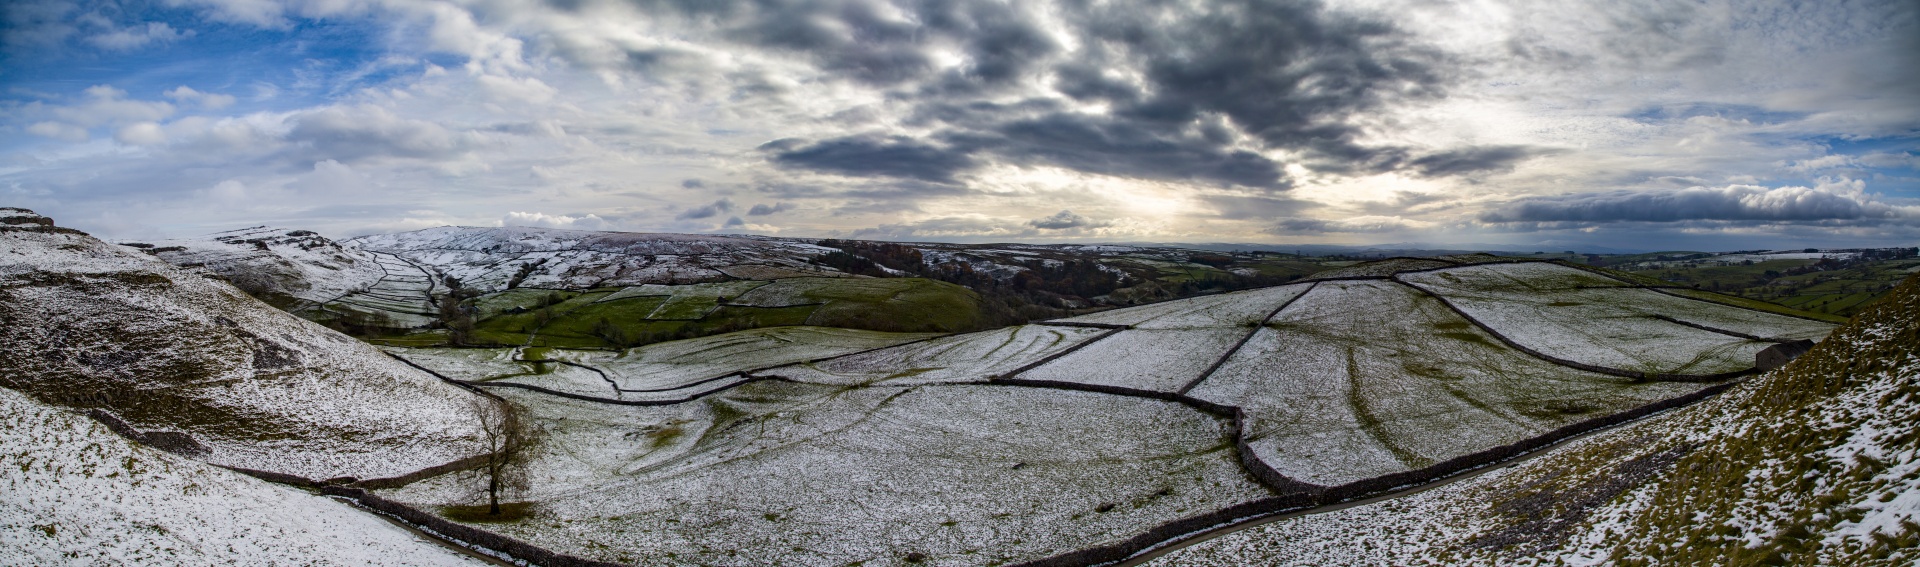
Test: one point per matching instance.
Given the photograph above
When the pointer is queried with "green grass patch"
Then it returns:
(432, 338)
(478, 513)
(879, 304)
(1756, 304)
(686, 307)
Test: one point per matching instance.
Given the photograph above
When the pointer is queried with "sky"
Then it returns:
(1623, 124)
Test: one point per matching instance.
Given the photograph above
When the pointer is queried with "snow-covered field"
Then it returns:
(1247, 307)
(972, 357)
(1614, 328)
(1534, 276)
(796, 474)
(1555, 284)
(1813, 464)
(677, 363)
(470, 364)
(672, 370)
(73, 493)
(403, 294)
(1162, 360)
(1359, 379)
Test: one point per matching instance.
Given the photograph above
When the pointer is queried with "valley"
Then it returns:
(736, 401)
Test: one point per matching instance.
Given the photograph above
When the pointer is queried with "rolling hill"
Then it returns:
(230, 380)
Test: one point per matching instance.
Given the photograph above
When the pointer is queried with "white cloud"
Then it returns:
(1891, 161)
(141, 134)
(356, 133)
(543, 220)
(105, 105)
(229, 193)
(58, 131)
(263, 13)
(333, 180)
(122, 39)
(1830, 200)
(517, 89)
(209, 101)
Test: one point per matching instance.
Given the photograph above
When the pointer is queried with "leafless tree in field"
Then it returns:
(509, 441)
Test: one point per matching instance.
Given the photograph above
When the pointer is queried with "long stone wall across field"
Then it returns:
(461, 533)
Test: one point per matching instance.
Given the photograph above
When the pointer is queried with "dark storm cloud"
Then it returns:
(693, 183)
(707, 211)
(1195, 92)
(866, 41)
(1121, 148)
(763, 209)
(1286, 72)
(1237, 207)
(1476, 159)
(1065, 219)
(884, 156)
(1734, 203)
(1318, 226)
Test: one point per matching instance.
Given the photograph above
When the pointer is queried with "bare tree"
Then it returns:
(458, 318)
(509, 442)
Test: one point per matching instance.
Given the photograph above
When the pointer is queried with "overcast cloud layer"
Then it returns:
(1623, 124)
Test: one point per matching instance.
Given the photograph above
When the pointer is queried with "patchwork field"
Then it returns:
(811, 446)
(799, 474)
(1578, 316)
(972, 357)
(1361, 379)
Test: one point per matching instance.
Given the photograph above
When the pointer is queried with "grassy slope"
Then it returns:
(879, 304)
(1837, 292)
(1813, 464)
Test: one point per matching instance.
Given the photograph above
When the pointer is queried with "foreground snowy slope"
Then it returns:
(1817, 463)
(74, 493)
(86, 324)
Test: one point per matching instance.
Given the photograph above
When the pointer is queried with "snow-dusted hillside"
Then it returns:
(267, 262)
(489, 258)
(74, 493)
(1817, 463)
(87, 324)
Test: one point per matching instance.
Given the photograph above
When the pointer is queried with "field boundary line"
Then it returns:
(1222, 361)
